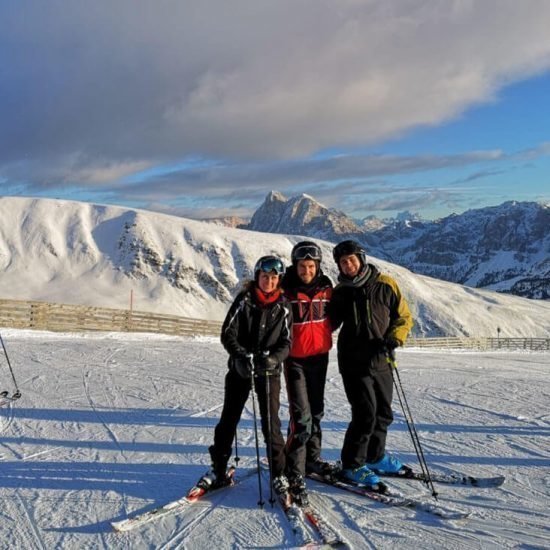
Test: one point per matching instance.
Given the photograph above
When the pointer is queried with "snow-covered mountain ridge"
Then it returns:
(504, 248)
(80, 253)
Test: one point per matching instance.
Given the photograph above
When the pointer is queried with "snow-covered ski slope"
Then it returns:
(109, 425)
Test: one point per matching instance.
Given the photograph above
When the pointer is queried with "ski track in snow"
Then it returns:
(110, 426)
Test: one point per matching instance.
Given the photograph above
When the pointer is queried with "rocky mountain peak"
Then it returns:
(275, 196)
(302, 215)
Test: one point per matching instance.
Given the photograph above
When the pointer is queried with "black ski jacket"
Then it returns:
(251, 328)
(369, 313)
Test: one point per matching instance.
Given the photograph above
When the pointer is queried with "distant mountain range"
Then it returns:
(504, 248)
(80, 253)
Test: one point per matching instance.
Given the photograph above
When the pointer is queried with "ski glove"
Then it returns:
(243, 364)
(391, 343)
(378, 345)
(266, 365)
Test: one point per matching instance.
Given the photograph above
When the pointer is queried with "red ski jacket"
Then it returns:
(311, 328)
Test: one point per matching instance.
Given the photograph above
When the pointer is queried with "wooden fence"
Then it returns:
(457, 342)
(71, 318)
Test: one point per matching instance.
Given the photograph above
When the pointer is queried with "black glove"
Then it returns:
(377, 345)
(243, 364)
(266, 365)
(391, 343)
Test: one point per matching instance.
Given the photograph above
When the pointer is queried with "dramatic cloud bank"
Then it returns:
(92, 92)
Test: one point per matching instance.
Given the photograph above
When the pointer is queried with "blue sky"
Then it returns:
(192, 109)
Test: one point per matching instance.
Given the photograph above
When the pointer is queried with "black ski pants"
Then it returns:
(305, 384)
(369, 391)
(237, 390)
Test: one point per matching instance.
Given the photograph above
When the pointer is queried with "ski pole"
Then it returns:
(410, 422)
(253, 384)
(17, 393)
(237, 457)
(269, 447)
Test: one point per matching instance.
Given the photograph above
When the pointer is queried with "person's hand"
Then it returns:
(243, 363)
(378, 345)
(391, 343)
(266, 364)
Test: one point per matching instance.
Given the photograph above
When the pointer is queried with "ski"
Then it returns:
(193, 495)
(393, 498)
(294, 517)
(450, 479)
(329, 535)
(297, 522)
(305, 521)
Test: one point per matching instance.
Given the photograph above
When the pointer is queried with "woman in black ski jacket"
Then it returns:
(256, 333)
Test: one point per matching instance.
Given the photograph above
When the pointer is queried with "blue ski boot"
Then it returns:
(387, 465)
(361, 476)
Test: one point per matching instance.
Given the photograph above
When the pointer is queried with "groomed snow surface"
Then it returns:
(110, 425)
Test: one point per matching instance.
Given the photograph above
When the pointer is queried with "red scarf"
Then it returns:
(264, 299)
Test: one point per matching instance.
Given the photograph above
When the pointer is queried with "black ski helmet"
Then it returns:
(345, 248)
(269, 264)
(306, 250)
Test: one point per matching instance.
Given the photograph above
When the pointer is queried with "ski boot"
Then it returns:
(363, 477)
(389, 465)
(281, 489)
(321, 467)
(298, 491)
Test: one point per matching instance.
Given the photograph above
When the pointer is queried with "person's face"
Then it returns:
(268, 282)
(350, 265)
(306, 269)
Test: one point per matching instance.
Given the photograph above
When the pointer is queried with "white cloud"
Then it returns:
(119, 85)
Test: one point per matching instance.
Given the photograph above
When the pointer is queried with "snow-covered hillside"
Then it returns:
(116, 424)
(88, 254)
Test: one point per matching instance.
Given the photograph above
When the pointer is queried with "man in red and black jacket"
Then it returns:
(309, 291)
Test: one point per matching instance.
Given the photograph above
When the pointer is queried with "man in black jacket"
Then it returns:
(375, 319)
(256, 334)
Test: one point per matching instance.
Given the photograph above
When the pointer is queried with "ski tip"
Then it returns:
(496, 481)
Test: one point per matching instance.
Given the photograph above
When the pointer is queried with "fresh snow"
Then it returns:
(113, 424)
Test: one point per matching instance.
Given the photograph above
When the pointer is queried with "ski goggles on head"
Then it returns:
(307, 252)
(269, 264)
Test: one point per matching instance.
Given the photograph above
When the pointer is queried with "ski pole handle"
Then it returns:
(390, 358)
